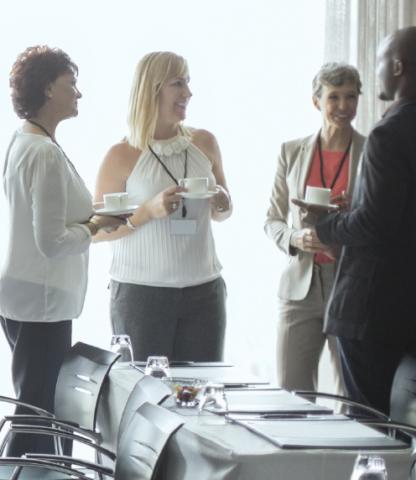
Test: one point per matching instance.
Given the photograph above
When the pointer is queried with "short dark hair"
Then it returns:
(33, 70)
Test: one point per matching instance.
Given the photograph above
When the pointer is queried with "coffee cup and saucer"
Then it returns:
(115, 204)
(316, 198)
(196, 188)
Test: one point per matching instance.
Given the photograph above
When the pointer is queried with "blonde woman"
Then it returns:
(167, 292)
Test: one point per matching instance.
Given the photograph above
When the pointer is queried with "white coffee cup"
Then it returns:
(318, 195)
(116, 201)
(194, 184)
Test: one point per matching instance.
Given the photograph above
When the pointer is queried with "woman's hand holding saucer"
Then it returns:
(343, 201)
(310, 214)
(107, 223)
(164, 203)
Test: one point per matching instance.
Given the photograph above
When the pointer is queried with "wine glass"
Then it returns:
(157, 366)
(369, 467)
(122, 344)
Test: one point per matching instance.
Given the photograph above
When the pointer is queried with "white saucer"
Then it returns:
(115, 213)
(199, 196)
(329, 206)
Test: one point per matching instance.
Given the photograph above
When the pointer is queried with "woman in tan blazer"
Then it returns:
(327, 159)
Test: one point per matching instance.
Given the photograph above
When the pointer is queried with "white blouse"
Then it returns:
(152, 255)
(44, 277)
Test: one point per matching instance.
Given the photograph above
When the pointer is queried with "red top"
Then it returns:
(331, 164)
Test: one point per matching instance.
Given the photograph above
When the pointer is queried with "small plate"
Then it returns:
(199, 196)
(115, 213)
(303, 203)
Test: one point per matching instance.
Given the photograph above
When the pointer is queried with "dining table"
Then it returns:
(266, 433)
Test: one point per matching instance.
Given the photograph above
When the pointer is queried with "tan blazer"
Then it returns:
(292, 170)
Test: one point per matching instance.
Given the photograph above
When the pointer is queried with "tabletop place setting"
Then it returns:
(187, 392)
(232, 410)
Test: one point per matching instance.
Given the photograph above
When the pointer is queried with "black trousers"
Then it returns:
(38, 350)
(368, 369)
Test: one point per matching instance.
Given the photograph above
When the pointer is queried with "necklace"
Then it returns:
(171, 146)
(41, 127)
(321, 163)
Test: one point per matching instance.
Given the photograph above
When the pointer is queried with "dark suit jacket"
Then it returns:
(374, 295)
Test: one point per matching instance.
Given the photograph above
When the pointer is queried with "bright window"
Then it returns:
(251, 65)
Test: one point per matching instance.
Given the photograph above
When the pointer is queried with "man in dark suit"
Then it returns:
(372, 310)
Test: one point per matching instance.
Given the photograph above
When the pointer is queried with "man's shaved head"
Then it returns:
(396, 64)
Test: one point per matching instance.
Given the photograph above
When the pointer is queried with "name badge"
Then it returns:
(182, 226)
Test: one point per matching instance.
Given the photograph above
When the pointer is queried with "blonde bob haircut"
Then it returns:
(152, 72)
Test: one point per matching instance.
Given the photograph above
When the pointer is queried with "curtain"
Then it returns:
(353, 31)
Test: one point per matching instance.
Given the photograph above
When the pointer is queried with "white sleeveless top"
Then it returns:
(151, 255)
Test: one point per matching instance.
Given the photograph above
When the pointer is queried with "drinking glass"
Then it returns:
(369, 467)
(157, 366)
(212, 405)
(122, 344)
(213, 398)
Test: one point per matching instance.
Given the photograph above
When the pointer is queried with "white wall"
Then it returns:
(251, 63)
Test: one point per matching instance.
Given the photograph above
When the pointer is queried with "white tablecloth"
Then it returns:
(208, 448)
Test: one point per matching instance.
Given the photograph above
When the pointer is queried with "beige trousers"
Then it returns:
(300, 340)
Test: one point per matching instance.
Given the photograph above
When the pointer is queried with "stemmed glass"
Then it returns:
(369, 467)
(122, 344)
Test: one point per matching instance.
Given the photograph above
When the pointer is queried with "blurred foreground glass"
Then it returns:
(157, 366)
(212, 405)
(213, 398)
(122, 344)
(369, 467)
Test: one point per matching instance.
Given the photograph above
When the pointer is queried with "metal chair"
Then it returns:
(147, 389)
(140, 450)
(35, 469)
(77, 393)
(143, 442)
(368, 412)
(403, 392)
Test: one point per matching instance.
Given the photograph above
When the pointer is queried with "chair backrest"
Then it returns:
(403, 392)
(143, 442)
(355, 409)
(147, 389)
(80, 382)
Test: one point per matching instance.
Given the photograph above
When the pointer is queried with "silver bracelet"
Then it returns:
(130, 225)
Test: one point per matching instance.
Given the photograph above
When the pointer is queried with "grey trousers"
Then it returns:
(300, 340)
(181, 323)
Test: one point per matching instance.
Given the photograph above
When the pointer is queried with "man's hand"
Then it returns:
(307, 241)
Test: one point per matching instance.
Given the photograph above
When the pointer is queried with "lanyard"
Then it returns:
(321, 163)
(41, 127)
(166, 169)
